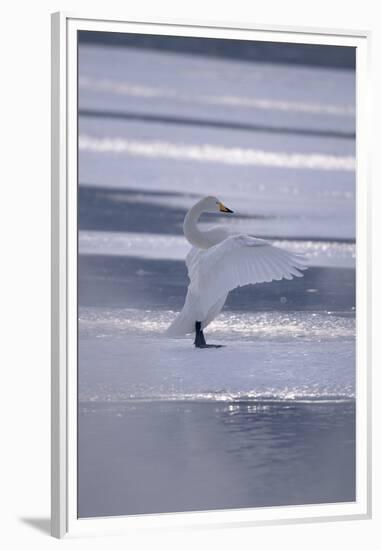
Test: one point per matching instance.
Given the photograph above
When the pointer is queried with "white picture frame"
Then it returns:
(64, 278)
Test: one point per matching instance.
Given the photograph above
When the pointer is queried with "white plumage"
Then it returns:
(220, 262)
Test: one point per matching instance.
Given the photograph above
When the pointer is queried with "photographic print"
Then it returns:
(216, 274)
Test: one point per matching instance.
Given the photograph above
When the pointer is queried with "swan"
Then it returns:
(220, 261)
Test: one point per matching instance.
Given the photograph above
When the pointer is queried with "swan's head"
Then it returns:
(213, 205)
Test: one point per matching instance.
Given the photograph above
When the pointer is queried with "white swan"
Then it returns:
(219, 262)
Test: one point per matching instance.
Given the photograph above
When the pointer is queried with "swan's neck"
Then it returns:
(191, 231)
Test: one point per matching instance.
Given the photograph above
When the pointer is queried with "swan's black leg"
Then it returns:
(200, 338)
(199, 341)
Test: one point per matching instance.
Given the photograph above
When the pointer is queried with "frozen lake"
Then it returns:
(269, 419)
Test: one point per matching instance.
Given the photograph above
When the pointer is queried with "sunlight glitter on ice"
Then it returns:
(212, 153)
(173, 247)
(229, 325)
(274, 356)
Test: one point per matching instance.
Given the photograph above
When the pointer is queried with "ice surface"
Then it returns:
(277, 144)
(170, 247)
(208, 152)
(293, 356)
(224, 88)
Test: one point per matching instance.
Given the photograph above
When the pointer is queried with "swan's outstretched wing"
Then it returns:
(237, 261)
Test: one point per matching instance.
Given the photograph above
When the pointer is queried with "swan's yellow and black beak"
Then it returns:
(224, 208)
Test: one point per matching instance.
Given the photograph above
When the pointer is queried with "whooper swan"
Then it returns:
(220, 261)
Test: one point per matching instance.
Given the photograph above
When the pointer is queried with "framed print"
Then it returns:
(211, 274)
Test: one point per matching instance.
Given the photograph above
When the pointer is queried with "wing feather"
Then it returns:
(261, 268)
(239, 260)
(273, 266)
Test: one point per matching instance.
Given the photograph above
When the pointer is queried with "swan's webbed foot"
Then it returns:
(200, 341)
